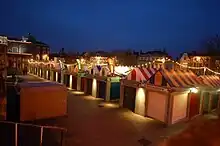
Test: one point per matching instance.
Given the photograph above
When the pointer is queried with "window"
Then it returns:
(9, 49)
(14, 49)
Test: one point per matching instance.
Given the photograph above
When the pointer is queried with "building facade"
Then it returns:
(196, 60)
(18, 51)
(3, 55)
(155, 59)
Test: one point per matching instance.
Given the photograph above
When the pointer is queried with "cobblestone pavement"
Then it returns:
(92, 123)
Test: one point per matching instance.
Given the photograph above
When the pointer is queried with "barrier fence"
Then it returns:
(36, 135)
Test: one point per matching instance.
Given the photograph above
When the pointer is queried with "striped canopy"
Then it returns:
(210, 80)
(141, 74)
(174, 78)
(96, 70)
(180, 78)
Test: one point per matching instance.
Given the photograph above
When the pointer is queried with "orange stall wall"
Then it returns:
(42, 102)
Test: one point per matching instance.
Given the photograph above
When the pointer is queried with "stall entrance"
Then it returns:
(82, 83)
(59, 77)
(101, 89)
(48, 77)
(115, 91)
(89, 86)
(129, 98)
(44, 74)
(215, 98)
(41, 72)
(194, 104)
(67, 80)
(74, 82)
(54, 76)
(205, 102)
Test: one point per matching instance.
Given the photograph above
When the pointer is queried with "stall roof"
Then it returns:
(141, 74)
(175, 78)
(180, 78)
(210, 80)
(96, 69)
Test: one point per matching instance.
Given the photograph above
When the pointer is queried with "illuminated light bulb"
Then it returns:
(194, 90)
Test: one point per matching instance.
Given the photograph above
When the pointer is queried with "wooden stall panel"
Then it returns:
(179, 110)
(45, 102)
(156, 105)
(59, 77)
(101, 89)
(115, 91)
(74, 82)
(194, 104)
(82, 83)
(215, 99)
(54, 76)
(206, 102)
(129, 98)
(67, 80)
(48, 77)
(89, 86)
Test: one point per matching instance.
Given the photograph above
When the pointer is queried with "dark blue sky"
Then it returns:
(177, 25)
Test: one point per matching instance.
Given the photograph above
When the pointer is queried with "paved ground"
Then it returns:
(90, 124)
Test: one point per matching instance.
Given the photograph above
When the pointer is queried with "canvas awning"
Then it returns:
(141, 74)
(165, 78)
(210, 80)
(180, 78)
(96, 70)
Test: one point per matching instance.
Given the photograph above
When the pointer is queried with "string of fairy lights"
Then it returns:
(146, 64)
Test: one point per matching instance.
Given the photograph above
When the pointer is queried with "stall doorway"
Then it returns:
(101, 89)
(54, 76)
(59, 77)
(48, 75)
(129, 98)
(115, 91)
(215, 98)
(205, 102)
(67, 80)
(82, 83)
(74, 82)
(194, 104)
(89, 86)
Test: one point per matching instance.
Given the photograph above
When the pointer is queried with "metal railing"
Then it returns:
(62, 131)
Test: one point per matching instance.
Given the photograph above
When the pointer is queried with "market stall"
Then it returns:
(48, 100)
(59, 76)
(48, 74)
(54, 75)
(169, 96)
(104, 84)
(211, 96)
(66, 79)
(130, 85)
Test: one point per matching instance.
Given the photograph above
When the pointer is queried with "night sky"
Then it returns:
(82, 25)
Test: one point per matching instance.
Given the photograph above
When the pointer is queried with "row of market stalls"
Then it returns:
(169, 96)
(97, 81)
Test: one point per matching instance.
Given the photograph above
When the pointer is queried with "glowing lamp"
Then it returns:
(194, 90)
(94, 87)
(140, 101)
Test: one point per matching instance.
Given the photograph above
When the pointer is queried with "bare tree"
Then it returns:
(212, 46)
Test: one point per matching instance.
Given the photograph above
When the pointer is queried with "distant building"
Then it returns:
(154, 59)
(3, 55)
(195, 60)
(40, 50)
(19, 50)
(125, 57)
